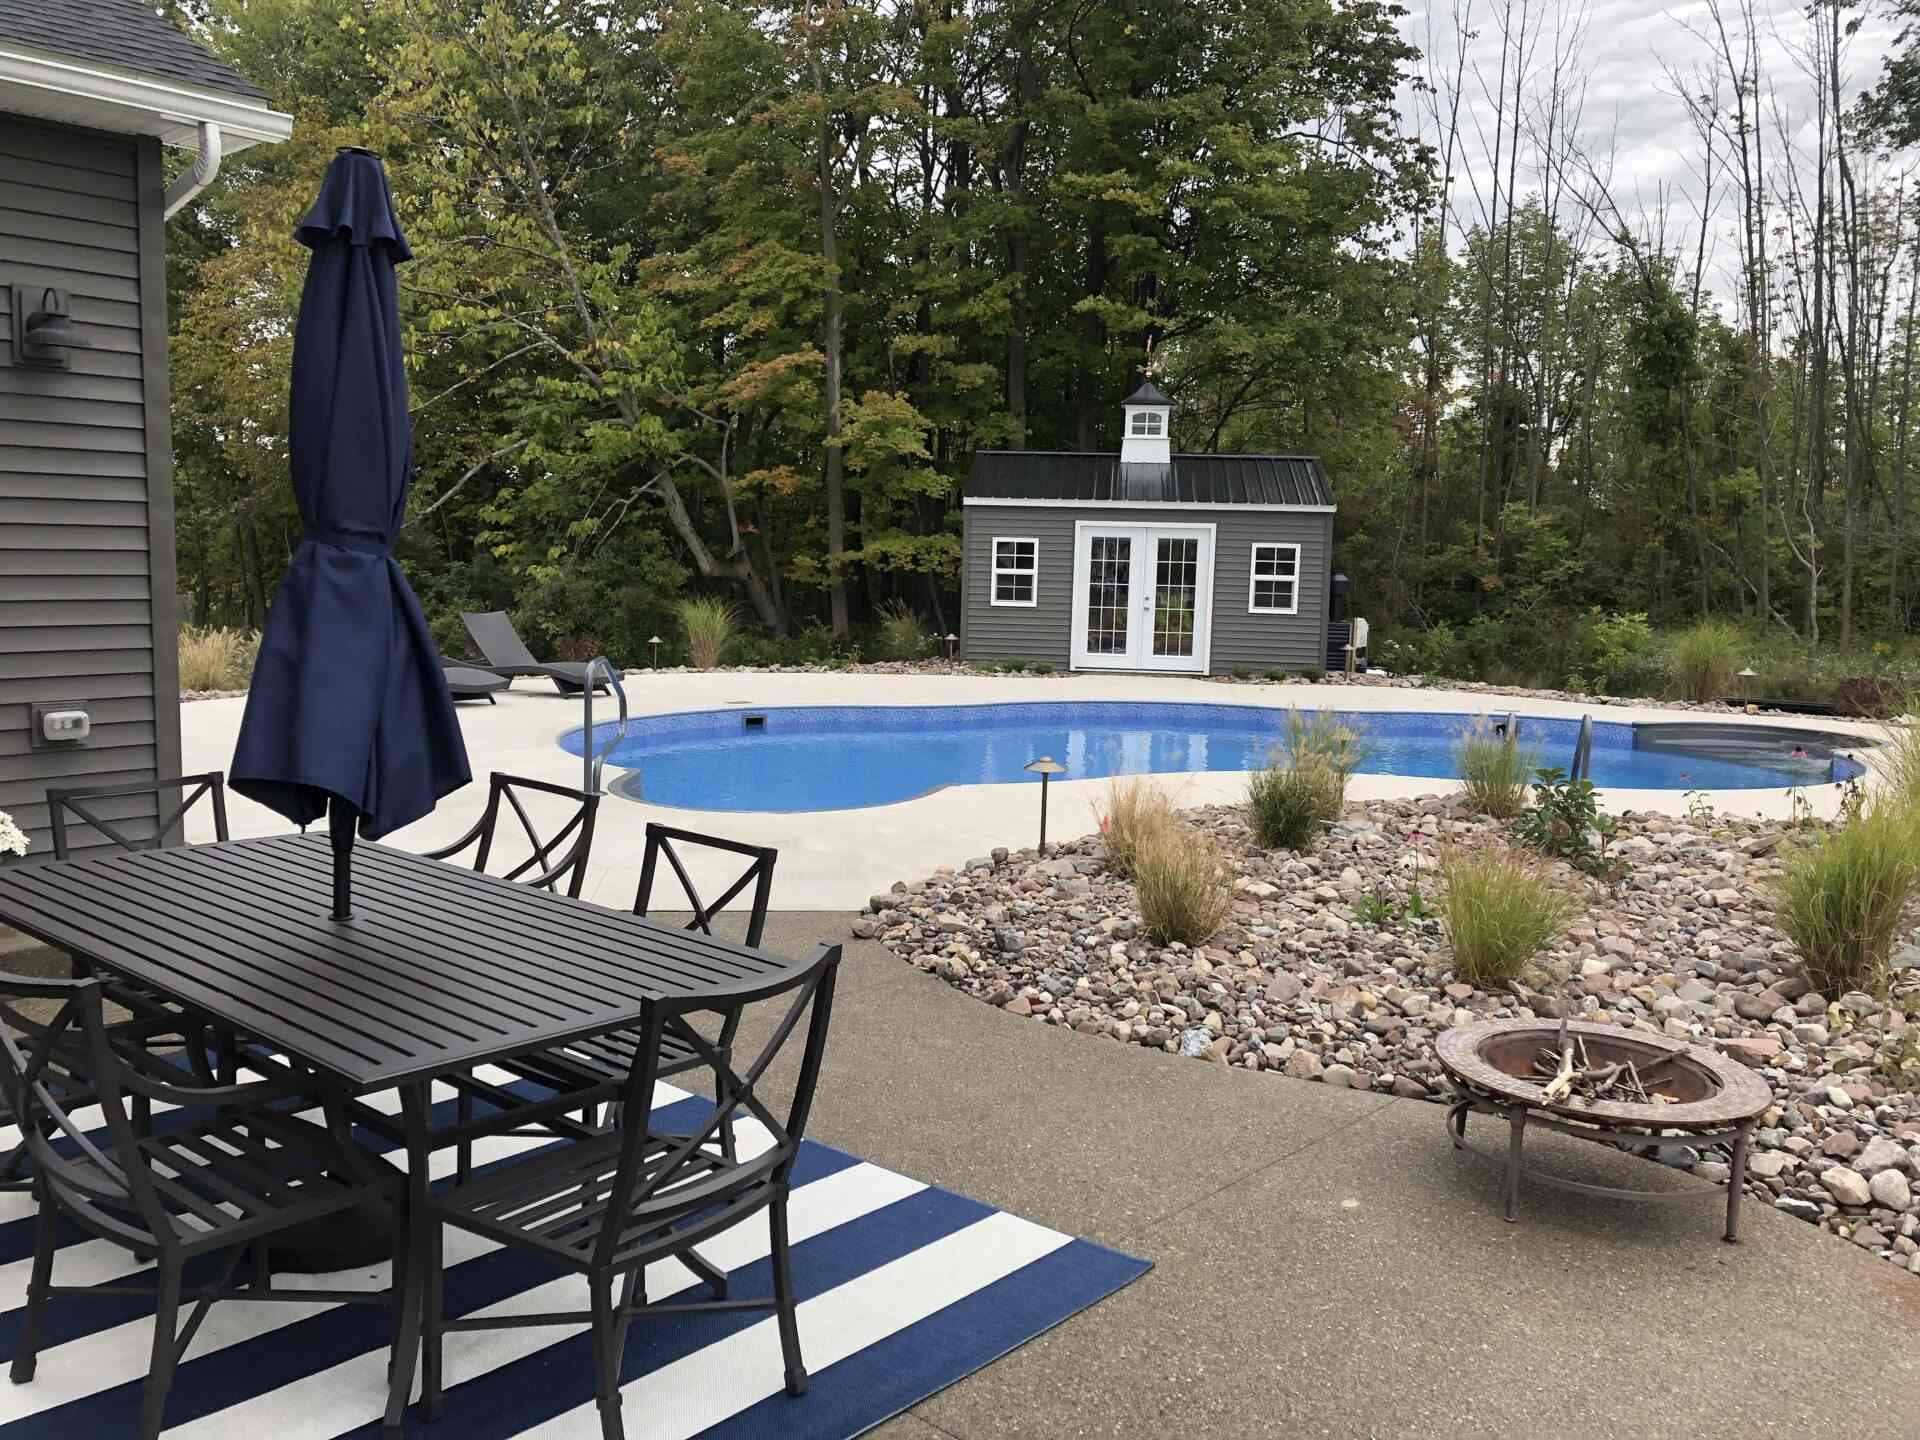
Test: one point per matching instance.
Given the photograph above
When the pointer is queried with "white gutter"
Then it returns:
(60, 87)
(206, 165)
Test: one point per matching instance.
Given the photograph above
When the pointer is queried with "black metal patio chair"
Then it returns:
(507, 654)
(552, 861)
(599, 1065)
(236, 1170)
(608, 1206)
(72, 807)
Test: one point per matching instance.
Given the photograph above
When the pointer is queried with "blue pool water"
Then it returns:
(841, 757)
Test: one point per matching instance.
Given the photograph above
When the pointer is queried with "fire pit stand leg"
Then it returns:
(1517, 1118)
(1737, 1182)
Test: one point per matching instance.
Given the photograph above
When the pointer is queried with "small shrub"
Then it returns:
(1564, 818)
(1014, 666)
(1041, 667)
(1842, 897)
(1313, 673)
(1287, 809)
(1499, 910)
(1136, 810)
(1706, 660)
(1494, 770)
(1274, 675)
(1618, 654)
(1376, 909)
(709, 625)
(902, 634)
(1183, 885)
(1241, 672)
(216, 659)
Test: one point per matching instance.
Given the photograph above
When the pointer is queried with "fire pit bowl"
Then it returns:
(1504, 1068)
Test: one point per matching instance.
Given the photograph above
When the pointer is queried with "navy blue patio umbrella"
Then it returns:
(348, 714)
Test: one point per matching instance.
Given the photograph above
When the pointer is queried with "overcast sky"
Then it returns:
(1630, 108)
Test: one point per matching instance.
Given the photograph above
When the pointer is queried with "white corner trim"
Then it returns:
(1197, 507)
(1254, 577)
(64, 80)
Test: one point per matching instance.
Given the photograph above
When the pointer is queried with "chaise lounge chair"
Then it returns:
(508, 655)
(469, 682)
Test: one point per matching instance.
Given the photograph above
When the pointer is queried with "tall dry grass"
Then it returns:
(1706, 659)
(1136, 810)
(1183, 883)
(215, 658)
(1494, 770)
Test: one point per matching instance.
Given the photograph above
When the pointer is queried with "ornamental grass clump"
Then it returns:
(1841, 898)
(902, 634)
(1183, 884)
(1706, 660)
(709, 624)
(1304, 787)
(1494, 771)
(1137, 809)
(215, 658)
(1500, 909)
(1898, 758)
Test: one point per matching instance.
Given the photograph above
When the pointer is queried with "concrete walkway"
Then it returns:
(833, 860)
(1327, 1265)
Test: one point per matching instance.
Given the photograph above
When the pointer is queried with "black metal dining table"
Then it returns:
(440, 970)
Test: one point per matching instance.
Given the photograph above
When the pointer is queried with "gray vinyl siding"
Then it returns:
(86, 506)
(1043, 632)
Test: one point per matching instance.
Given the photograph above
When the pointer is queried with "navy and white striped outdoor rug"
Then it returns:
(904, 1288)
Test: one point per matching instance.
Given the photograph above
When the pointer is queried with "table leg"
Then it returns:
(1737, 1182)
(413, 1281)
(1517, 1118)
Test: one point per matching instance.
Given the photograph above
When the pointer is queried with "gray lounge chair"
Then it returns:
(507, 654)
(469, 682)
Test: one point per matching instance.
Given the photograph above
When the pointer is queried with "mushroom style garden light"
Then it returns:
(1045, 767)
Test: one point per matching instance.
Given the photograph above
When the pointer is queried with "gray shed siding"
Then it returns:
(1265, 642)
(86, 504)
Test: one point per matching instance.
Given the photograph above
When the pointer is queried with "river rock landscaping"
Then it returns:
(1332, 968)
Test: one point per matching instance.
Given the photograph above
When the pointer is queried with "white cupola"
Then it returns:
(1147, 415)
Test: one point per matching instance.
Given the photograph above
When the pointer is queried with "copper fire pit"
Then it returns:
(1703, 1097)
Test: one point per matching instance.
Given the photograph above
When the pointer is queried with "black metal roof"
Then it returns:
(1148, 394)
(123, 33)
(1071, 476)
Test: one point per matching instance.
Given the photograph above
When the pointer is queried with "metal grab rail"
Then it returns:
(1583, 751)
(592, 761)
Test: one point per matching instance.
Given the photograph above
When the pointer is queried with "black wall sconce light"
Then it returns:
(43, 330)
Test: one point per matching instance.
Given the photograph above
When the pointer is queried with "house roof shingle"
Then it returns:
(1076, 477)
(123, 33)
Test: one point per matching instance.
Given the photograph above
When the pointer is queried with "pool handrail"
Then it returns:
(592, 760)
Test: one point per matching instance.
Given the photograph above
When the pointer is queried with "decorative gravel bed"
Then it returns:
(1297, 983)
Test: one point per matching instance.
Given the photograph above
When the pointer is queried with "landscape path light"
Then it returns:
(1045, 767)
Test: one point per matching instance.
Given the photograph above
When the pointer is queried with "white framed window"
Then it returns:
(1274, 586)
(1016, 570)
(1146, 422)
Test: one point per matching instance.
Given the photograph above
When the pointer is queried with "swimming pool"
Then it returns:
(842, 757)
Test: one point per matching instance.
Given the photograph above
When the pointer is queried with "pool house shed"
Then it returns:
(1147, 560)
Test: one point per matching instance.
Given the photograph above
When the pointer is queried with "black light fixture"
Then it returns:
(43, 330)
(1045, 767)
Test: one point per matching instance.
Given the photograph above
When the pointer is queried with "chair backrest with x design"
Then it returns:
(661, 840)
(82, 803)
(552, 861)
(674, 1182)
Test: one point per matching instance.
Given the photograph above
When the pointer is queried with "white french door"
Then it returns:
(1142, 597)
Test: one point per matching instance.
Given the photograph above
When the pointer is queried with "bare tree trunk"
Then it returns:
(833, 310)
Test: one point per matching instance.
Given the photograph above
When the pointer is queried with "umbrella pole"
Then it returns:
(340, 822)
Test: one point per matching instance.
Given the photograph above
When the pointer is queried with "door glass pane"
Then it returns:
(1176, 592)
(1109, 580)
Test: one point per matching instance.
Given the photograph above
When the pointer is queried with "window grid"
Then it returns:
(1109, 583)
(1274, 586)
(1176, 591)
(1146, 422)
(1016, 570)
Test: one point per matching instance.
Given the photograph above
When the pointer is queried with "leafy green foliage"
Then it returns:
(902, 634)
(1565, 822)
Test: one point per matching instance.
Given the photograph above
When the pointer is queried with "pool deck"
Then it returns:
(833, 860)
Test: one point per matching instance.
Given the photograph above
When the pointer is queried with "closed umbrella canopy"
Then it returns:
(349, 705)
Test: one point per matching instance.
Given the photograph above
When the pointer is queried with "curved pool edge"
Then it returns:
(689, 723)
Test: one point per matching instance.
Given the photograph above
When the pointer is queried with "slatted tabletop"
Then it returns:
(439, 968)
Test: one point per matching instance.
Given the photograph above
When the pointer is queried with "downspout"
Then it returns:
(206, 165)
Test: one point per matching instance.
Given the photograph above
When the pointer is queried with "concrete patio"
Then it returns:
(1326, 1264)
(833, 860)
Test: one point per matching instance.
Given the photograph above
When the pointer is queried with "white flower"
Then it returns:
(13, 840)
